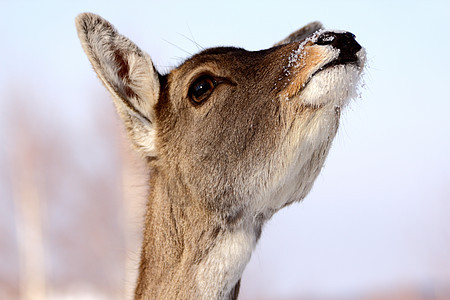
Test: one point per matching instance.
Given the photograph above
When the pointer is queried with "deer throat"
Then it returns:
(300, 158)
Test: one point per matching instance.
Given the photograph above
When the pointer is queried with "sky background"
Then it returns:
(378, 217)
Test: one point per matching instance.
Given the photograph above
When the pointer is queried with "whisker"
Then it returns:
(193, 41)
(177, 47)
(193, 38)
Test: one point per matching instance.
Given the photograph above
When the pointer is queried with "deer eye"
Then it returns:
(202, 88)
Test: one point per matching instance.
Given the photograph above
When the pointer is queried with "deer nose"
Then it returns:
(343, 41)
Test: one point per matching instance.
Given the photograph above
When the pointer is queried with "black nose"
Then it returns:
(343, 41)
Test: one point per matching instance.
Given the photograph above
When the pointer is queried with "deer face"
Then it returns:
(241, 132)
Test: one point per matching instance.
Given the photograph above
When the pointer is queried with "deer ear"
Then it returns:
(301, 34)
(127, 72)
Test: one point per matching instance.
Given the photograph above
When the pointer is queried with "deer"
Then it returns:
(229, 137)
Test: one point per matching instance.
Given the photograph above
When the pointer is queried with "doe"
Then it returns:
(230, 137)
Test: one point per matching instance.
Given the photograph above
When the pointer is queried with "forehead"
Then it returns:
(215, 57)
(220, 50)
(227, 59)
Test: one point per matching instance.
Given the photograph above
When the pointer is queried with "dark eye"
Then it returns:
(202, 88)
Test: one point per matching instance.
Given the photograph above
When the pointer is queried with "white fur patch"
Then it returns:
(223, 267)
(337, 84)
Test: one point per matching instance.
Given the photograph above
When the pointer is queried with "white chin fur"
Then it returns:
(336, 85)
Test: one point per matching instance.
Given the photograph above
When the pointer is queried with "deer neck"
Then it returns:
(188, 252)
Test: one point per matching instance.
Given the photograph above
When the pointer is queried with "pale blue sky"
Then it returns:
(379, 213)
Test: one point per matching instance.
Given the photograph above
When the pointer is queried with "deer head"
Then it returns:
(230, 135)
